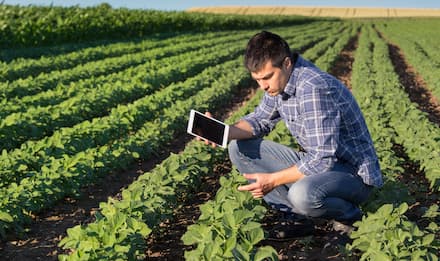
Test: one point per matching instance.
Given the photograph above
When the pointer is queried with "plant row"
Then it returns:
(327, 60)
(419, 140)
(64, 84)
(385, 232)
(319, 49)
(45, 59)
(38, 25)
(419, 47)
(98, 99)
(64, 176)
(50, 80)
(23, 68)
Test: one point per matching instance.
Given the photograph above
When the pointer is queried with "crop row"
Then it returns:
(64, 176)
(385, 232)
(419, 46)
(98, 99)
(54, 25)
(50, 80)
(62, 85)
(22, 67)
(65, 84)
(419, 140)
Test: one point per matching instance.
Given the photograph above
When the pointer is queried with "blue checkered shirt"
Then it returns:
(323, 116)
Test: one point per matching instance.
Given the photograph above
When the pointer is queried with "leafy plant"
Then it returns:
(228, 227)
(389, 235)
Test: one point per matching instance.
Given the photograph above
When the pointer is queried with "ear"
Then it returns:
(287, 63)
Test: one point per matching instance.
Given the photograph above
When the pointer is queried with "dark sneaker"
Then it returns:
(345, 226)
(335, 240)
(287, 230)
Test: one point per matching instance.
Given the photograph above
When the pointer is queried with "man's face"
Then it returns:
(272, 79)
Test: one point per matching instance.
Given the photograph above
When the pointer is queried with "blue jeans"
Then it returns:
(334, 194)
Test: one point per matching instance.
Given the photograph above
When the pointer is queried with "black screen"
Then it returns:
(208, 128)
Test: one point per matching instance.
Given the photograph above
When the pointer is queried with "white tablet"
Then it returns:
(208, 128)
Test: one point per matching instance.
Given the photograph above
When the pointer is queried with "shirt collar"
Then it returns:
(290, 88)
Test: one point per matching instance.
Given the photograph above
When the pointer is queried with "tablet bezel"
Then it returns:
(193, 114)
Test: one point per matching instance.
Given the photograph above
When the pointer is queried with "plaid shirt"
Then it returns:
(323, 116)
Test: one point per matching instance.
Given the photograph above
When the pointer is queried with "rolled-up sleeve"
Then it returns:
(265, 116)
(322, 120)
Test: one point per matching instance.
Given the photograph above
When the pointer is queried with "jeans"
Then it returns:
(334, 194)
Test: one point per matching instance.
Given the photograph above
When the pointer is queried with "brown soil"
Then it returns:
(342, 67)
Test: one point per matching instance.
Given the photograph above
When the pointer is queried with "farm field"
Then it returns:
(96, 164)
(341, 12)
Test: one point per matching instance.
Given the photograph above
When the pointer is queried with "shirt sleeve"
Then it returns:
(322, 120)
(265, 116)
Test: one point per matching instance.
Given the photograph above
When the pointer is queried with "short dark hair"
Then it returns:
(265, 46)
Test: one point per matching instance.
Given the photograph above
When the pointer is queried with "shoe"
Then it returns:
(335, 240)
(343, 227)
(287, 230)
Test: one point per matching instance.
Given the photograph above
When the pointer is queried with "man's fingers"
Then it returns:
(249, 187)
(248, 176)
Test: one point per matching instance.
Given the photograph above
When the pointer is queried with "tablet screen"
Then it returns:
(208, 128)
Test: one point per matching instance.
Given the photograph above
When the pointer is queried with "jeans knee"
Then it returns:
(233, 151)
(304, 200)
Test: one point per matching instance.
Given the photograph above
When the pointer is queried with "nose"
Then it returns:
(263, 85)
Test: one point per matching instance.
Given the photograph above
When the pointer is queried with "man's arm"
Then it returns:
(266, 182)
(240, 130)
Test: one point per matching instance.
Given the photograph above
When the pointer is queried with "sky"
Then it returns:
(180, 5)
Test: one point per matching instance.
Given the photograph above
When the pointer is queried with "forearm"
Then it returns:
(285, 176)
(240, 130)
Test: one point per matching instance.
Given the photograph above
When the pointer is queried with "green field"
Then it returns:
(89, 94)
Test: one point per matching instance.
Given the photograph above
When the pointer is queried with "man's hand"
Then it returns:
(263, 184)
(266, 182)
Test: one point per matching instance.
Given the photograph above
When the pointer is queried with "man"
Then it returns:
(337, 167)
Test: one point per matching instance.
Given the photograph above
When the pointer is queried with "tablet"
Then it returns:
(208, 128)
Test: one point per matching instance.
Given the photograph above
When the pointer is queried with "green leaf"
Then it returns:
(428, 239)
(240, 254)
(250, 226)
(230, 245)
(195, 234)
(256, 235)
(403, 208)
(4, 216)
(266, 253)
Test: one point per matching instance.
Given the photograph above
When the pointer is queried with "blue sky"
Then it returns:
(182, 4)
